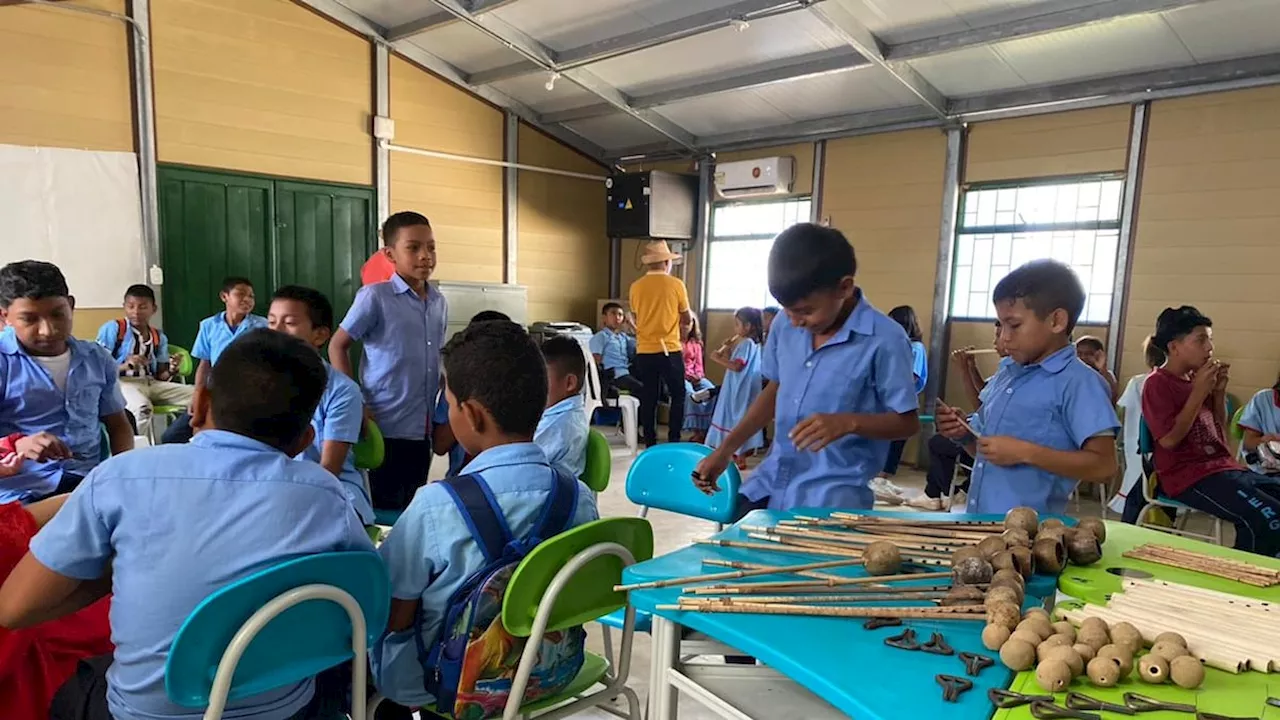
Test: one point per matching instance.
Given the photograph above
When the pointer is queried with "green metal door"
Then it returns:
(324, 233)
(211, 225)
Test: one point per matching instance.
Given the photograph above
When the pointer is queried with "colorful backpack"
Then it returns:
(470, 667)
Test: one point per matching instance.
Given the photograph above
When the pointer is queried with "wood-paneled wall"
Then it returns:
(1208, 228)
(463, 200)
(562, 253)
(1070, 143)
(261, 86)
(64, 78)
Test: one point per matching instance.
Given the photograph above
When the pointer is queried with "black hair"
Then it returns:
(1091, 342)
(318, 306)
(403, 219)
(1153, 354)
(490, 316)
(806, 258)
(1176, 323)
(31, 280)
(566, 355)
(1044, 286)
(140, 292)
(754, 320)
(771, 310)
(231, 282)
(905, 315)
(499, 366)
(609, 306)
(266, 386)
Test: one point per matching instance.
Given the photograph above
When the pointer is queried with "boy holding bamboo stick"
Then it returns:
(1046, 420)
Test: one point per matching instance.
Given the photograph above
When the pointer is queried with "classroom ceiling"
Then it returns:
(620, 79)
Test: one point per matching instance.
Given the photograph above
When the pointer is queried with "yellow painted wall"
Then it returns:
(261, 86)
(1070, 143)
(463, 200)
(1208, 229)
(562, 252)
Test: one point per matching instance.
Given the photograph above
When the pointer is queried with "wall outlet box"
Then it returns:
(384, 128)
(156, 274)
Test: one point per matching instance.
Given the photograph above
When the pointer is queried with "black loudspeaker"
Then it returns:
(652, 204)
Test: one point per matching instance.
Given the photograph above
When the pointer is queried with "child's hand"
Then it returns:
(818, 431)
(964, 355)
(707, 474)
(1224, 376)
(1206, 378)
(42, 447)
(10, 464)
(948, 423)
(1005, 451)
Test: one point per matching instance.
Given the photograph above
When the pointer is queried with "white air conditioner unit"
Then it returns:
(755, 178)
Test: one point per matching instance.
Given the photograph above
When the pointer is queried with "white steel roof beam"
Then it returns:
(436, 19)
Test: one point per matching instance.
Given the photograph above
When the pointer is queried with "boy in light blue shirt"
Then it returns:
(306, 314)
(1046, 420)
(442, 440)
(54, 389)
(497, 386)
(612, 348)
(401, 324)
(163, 528)
(839, 384)
(562, 431)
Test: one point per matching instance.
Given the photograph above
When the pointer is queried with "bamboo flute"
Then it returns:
(833, 598)
(974, 525)
(918, 556)
(752, 589)
(1190, 591)
(1211, 651)
(848, 538)
(954, 613)
(1246, 573)
(836, 582)
(771, 547)
(1263, 632)
(738, 565)
(735, 574)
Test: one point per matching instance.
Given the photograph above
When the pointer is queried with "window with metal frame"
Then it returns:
(742, 234)
(1003, 225)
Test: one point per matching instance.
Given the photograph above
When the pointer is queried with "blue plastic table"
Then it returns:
(835, 658)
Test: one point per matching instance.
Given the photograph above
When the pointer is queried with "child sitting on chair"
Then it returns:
(1094, 354)
(54, 389)
(1260, 424)
(833, 433)
(306, 314)
(699, 392)
(164, 527)
(442, 440)
(1046, 421)
(1184, 405)
(497, 387)
(740, 358)
(562, 431)
(904, 315)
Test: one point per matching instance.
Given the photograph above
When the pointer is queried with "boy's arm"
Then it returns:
(344, 416)
(409, 553)
(202, 372)
(34, 594)
(339, 353)
(119, 432)
(1157, 408)
(894, 365)
(1095, 461)
(359, 322)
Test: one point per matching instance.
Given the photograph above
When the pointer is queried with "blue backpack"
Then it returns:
(470, 667)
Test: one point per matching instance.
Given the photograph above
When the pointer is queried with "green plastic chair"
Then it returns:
(369, 452)
(599, 463)
(186, 368)
(568, 581)
(1234, 429)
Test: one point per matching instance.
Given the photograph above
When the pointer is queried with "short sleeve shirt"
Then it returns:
(1201, 453)
(658, 299)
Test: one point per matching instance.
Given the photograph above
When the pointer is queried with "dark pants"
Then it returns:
(625, 382)
(179, 431)
(650, 369)
(895, 457)
(404, 469)
(1245, 499)
(943, 455)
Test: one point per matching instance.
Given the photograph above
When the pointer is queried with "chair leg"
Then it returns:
(608, 648)
(633, 703)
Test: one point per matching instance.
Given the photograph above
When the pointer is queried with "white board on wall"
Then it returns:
(78, 209)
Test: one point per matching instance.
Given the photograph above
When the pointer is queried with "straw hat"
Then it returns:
(656, 251)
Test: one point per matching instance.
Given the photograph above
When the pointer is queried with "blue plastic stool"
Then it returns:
(278, 627)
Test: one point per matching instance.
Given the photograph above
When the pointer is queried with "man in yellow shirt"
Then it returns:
(659, 301)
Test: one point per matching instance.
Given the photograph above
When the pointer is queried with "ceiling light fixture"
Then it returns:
(551, 81)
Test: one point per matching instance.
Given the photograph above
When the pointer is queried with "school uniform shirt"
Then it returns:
(1059, 403)
(135, 342)
(1261, 415)
(215, 335)
(919, 365)
(400, 370)
(562, 435)
(615, 350)
(176, 523)
(457, 454)
(338, 418)
(864, 368)
(430, 553)
(32, 402)
(1201, 453)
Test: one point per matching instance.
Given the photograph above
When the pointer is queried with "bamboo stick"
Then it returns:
(738, 565)
(849, 538)
(1211, 651)
(1263, 633)
(970, 525)
(919, 556)
(833, 598)
(1164, 586)
(1242, 572)
(834, 582)
(1254, 610)
(769, 547)
(953, 613)
(752, 589)
(733, 575)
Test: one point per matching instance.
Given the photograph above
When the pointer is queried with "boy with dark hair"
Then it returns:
(401, 324)
(497, 386)
(1184, 406)
(215, 334)
(612, 348)
(833, 435)
(1046, 420)
(306, 314)
(163, 528)
(562, 431)
(54, 389)
(1093, 352)
(142, 352)
(442, 440)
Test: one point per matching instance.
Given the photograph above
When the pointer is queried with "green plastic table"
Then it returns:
(1094, 583)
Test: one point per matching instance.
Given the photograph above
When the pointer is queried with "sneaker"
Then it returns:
(885, 491)
(701, 396)
(924, 502)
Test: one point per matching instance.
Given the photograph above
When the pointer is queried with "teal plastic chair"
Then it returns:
(1151, 494)
(599, 463)
(278, 627)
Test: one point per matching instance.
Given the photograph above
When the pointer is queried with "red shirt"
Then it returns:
(378, 268)
(1201, 453)
(692, 352)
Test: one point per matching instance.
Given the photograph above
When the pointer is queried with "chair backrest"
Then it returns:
(369, 452)
(300, 642)
(104, 443)
(1146, 443)
(662, 477)
(594, 392)
(589, 594)
(186, 366)
(1237, 432)
(599, 463)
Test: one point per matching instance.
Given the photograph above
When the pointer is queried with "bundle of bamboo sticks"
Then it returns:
(1236, 570)
(1224, 631)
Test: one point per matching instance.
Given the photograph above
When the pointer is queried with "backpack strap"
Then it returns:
(557, 513)
(121, 327)
(481, 512)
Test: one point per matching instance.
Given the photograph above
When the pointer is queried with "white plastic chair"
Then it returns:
(627, 404)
